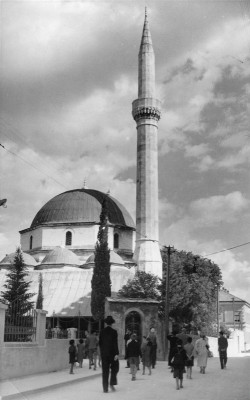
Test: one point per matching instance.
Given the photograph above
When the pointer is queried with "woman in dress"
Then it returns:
(201, 350)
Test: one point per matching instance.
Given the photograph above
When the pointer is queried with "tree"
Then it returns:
(193, 288)
(39, 301)
(194, 282)
(17, 295)
(144, 286)
(101, 283)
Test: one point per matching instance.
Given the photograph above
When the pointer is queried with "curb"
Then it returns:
(21, 395)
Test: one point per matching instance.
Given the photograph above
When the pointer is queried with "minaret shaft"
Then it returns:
(146, 112)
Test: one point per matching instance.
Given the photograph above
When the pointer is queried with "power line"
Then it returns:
(33, 166)
(230, 248)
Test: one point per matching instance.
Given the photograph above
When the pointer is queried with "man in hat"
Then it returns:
(109, 353)
(222, 348)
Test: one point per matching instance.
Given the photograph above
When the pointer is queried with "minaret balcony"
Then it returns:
(146, 108)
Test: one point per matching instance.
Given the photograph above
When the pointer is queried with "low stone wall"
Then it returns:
(20, 359)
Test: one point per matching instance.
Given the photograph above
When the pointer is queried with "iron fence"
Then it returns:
(20, 323)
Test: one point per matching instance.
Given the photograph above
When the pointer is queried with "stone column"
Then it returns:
(3, 308)
(41, 327)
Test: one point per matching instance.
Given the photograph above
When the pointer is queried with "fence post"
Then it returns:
(41, 327)
(3, 307)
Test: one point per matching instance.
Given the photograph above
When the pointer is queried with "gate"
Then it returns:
(133, 323)
(20, 323)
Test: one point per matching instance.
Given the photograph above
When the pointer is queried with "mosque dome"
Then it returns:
(115, 259)
(59, 257)
(81, 206)
(8, 260)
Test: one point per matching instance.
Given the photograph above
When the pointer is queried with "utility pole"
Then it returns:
(169, 251)
(217, 309)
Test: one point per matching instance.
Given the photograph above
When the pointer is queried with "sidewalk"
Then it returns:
(12, 388)
(232, 384)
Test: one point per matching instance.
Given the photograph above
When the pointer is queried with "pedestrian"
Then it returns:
(152, 337)
(183, 336)
(178, 363)
(108, 343)
(92, 343)
(222, 348)
(72, 355)
(80, 352)
(189, 348)
(134, 354)
(201, 349)
(146, 355)
(173, 339)
(126, 338)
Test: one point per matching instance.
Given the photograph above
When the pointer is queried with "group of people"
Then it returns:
(134, 351)
(85, 348)
(182, 352)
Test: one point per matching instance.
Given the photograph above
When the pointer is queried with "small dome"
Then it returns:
(115, 259)
(59, 257)
(8, 260)
(81, 206)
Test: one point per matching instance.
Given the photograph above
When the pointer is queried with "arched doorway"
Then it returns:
(133, 323)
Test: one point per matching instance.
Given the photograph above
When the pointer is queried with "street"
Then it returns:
(229, 384)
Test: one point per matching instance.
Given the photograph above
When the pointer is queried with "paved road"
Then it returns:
(216, 384)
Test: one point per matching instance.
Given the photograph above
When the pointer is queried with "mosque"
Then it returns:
(60, 242)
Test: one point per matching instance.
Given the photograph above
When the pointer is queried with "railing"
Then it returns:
(20, 323)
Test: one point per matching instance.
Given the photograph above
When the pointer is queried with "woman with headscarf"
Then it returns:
(201, 350)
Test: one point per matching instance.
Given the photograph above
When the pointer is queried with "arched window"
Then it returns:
(116, 241)
(31, 242)
(68, 240)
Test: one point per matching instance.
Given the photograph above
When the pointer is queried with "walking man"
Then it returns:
(222, 348)
(134, 354)
(109, 354)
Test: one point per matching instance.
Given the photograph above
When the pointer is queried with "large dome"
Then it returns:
(79, 206)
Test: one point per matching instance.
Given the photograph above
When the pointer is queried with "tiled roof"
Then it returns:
(68, 291)
(61, 256)
(224, 295)
(8, 260)
(114, 259)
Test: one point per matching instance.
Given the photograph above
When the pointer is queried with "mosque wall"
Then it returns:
(37, 235)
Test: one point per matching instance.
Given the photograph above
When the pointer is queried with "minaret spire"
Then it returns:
(146, 113)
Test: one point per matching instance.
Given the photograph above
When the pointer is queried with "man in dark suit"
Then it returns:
(109, 353)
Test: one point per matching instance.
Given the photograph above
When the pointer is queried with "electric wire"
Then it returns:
(33, 166)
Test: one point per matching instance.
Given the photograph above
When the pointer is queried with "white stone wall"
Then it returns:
(20, 359)
(37, 239)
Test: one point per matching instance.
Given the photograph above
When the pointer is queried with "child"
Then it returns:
(189, 348)
(80, 352)
(72, 355)
(146, 351)
(178, 363)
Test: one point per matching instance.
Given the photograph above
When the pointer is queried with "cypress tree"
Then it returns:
(101, 283)
(16, 294)
(39, 301)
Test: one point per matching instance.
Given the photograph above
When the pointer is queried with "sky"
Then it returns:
(68, 79)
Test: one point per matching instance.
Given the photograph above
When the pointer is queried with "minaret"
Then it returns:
(146, 113)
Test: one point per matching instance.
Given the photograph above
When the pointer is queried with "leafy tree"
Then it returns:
(193, 283)
(16, 294)
(144, 286)
(193, 289)
(39, 301)
(101, 283)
